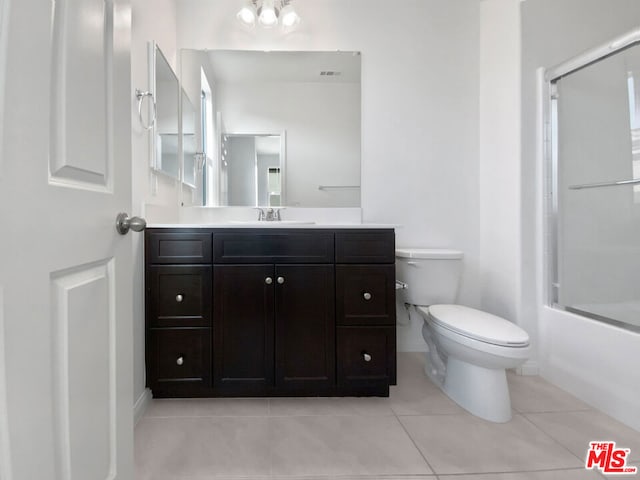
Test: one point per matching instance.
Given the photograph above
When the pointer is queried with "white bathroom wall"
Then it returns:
(420, 77)
(499, 123)
(594, 361)
(154, 196)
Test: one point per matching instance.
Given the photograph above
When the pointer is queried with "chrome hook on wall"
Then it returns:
(140, 95)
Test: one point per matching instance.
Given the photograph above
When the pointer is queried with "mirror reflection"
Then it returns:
(257, 107)
(165, 130)
(251, 170)
(189, 142)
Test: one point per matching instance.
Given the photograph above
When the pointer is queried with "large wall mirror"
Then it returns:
(165, 90)
(275, 128)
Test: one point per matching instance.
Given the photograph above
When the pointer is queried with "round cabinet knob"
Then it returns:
(367, 357)
(280, 280)
(367, 296)
(180, 361)
(179, 298)
(268, 280)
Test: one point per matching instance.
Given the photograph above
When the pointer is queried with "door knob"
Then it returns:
(124, 224)
(268, 280)
(280, 280)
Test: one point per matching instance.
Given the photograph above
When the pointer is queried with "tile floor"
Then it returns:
(415, 434)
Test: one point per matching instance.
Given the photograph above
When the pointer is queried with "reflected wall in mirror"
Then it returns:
(252, 170)
(312, 96)
(191, 152)
(165, 89)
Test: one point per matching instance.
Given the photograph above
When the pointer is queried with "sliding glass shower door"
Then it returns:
(595, 164)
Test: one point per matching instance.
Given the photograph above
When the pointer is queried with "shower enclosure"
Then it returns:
(593, 183)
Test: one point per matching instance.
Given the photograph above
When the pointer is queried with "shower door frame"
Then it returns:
(548, 171)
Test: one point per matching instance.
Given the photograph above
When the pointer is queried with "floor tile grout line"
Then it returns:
(500, 472)
(515, 472)
(550, 436)
(453, 414)
(522, 412)
(206, 417)
(270, 431)
(415, 445)
(346, 476)
(409, 476)
(332, 414)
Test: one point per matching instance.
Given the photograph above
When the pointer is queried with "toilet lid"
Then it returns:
(479, 325)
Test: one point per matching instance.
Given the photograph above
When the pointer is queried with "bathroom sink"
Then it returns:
(275, 223)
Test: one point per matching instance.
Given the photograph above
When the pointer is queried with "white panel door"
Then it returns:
(65, 273)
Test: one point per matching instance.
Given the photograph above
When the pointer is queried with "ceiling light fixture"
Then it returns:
(247, 14)
(269, 13)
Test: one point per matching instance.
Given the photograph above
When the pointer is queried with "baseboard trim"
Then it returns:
(141, 405)
(411, 347)
(530, 367)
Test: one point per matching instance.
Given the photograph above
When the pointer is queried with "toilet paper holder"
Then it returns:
(401, 285)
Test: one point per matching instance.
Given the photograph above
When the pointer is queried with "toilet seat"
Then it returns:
(477, 325)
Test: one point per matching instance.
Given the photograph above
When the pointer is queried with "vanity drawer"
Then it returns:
(174, 248)
(179, 355)
(366, 356)
(365, 295)
(258, 246)
(365, 247)
(179, 296)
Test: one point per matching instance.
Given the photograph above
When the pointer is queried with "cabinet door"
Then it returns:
(305, 327)
(366, 359)
(179, 296)
(366, 294)
(243, 328)
(178, 361)
(182, 246)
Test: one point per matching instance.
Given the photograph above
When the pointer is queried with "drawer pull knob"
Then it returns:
(367, 296)
(280, 280)
(180, 361)
(179, 298)
(268, 280)
(367, 357)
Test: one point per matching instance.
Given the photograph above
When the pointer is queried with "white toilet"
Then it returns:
(469, 350)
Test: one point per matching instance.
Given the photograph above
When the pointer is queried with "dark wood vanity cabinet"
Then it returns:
(250, 312)
(305, 328)
(275, 326)
(244, 330)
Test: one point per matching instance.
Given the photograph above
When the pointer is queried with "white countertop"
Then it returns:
(276, 224)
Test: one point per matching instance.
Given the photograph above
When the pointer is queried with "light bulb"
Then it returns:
(268, 15)
(289, 17)
(247, 15)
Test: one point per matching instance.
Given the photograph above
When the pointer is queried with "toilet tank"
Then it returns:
(432, 274)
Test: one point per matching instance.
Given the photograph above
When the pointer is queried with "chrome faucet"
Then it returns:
(268, 215)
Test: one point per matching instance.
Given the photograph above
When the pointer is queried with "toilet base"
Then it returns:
(481, 391)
